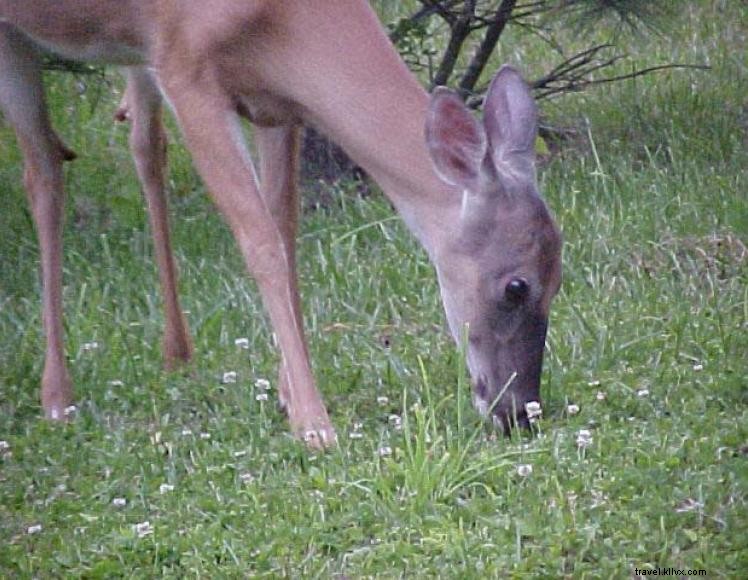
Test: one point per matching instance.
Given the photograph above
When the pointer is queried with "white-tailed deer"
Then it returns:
(466, 189)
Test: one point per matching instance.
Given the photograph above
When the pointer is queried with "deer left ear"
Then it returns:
(456, 142)
(511, 121)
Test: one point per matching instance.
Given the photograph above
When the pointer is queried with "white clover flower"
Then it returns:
(385, 451)
(572, 409)
(143, 529)
(165, 488)
(382, 400)
(119, 502)
(35, 529)
(242, 343)
(228, 377)
(641, 393)
(584, 438)
(524, 469)
(533, 410)
(262, 384)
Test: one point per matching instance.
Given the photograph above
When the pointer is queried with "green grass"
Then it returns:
(648, 338)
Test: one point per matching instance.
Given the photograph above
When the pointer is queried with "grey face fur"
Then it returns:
(502, 268)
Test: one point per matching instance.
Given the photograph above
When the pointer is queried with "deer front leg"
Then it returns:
(213, 134)
(279, 150)
(22, 101)
(142, 106)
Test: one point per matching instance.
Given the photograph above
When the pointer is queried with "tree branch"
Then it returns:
(487, 45)
(460, 30)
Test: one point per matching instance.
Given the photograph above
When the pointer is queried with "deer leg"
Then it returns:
(22, 101)
(148, 146)
(213, 134)
(279, 150)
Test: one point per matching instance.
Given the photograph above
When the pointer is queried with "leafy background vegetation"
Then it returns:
(648, 340)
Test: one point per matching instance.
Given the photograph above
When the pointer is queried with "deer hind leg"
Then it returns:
(22, 101)
(148, 146)
(279, 150)
(213, 134)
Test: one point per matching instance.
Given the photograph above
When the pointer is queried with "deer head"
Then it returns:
(501, 267)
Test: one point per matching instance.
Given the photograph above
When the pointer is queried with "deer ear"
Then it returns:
(456, 141)
(511, 121)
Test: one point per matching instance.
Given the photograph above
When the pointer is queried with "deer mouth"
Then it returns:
(505, 410)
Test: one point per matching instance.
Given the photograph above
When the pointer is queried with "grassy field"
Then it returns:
(186, 475)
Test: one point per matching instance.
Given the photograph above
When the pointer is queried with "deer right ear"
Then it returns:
(456, 142)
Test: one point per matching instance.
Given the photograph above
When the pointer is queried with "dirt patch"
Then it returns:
(722, 255)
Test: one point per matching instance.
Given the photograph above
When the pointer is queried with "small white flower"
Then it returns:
(533, 410)
(89, 346)
(355, 435)
(698, 367)
(262, 384)
(228, 377)
(593, 384)
(186, 432)
(143, 529)
(241, 453)
(261, 397)
(119, 502)
(572, 409)
(641, 393)
(35, 529)
(165, 488)
(246, 477)
(524, 469)
(4, 446)
(116, 383)
(69, 410)
(598, 498)
(382, 400)
(584, 438)
(204, 435)
(385, 451)
(242, 343)
(600, 396)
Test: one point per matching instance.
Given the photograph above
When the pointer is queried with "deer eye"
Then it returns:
(517, 290)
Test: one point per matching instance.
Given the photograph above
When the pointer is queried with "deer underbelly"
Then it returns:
(268, 110)
(105, 52)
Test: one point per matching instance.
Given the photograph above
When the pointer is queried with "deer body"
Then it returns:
(466, 190)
